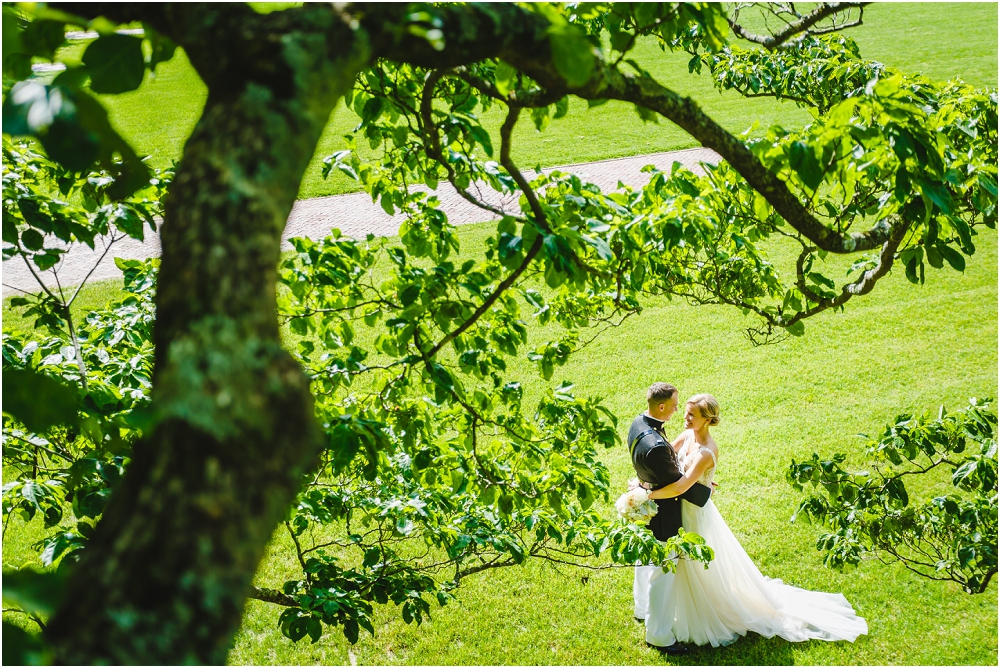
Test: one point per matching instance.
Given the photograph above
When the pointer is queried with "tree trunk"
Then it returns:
(166, 575)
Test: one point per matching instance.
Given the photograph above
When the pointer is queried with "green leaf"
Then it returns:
(620, 40)
(115, 63)
(314, 629)
(39, 402)
(554, 498)
(30, 107)
(489, 495)
(43, 37)
(61, 543)
(21, 648)
(161, 48)
(572, 54)
(562, 107)
(32, 239)
(937, 192)
(409, 294)
(372, 110)
(820, 279)
(803, 160)
(17, 66)
(74, 129)
(934, 257)
(964, 233)
(73, 77)
(9, 227)
(14, 25)
(505, 75)
(458, 480)
(423, 459)
(351, 630)
(952, 256)
(912, 264)
(372, 557)
(344, 443)
(91, 505)
(896, 491)
(46, 260)
(541, 117)
(796, 329)
(33, 591)
(506, 504)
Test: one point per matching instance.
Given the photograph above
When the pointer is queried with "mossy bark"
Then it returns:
(165, 577)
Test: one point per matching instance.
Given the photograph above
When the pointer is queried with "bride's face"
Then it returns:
(692, 418)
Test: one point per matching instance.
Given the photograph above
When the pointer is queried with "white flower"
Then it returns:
(635, 505)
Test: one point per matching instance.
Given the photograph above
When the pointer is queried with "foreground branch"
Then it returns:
(520, 37)
(805, 25)
(273, 596)
(536, 246)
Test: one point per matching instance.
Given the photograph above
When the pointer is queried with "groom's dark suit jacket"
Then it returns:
(655, 462)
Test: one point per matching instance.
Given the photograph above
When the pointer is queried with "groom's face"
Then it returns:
(671, 407)
(666, 409)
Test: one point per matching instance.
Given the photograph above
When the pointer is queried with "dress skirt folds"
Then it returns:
(715, 606)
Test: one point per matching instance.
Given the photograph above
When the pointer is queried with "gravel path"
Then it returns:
(355, 214)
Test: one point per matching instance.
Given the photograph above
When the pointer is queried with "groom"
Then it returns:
(655, 463)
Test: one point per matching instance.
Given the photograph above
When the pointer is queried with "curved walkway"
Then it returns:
(354, 213)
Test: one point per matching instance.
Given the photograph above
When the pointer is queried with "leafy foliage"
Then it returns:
(74, 462)
(66, 118)
(43, 200)
(35, 594)
(951, 536)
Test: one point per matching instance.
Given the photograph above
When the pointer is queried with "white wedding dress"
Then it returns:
(715, 606)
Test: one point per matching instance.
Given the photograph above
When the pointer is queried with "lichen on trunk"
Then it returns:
(166, 575)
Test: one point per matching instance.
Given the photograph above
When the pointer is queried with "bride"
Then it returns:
(716, 605)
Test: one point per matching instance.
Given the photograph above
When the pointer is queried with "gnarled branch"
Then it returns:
(476, 32)
(803, 25)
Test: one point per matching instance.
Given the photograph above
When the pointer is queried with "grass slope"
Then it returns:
(905, 349)
(919, 38)
(902, 349)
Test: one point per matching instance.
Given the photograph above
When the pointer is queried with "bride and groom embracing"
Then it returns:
(712, 606)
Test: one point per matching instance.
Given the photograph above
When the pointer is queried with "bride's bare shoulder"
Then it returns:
(681, 439)
(713, 446)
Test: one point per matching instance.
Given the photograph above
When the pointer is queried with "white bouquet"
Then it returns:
(635, 504)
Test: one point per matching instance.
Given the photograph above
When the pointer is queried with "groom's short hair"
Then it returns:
(660, 392)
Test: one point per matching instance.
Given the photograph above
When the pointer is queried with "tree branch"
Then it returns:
(475, 32)
(862, 286)
(273, 596)
(536, 246)
(432, 141)
(805, 24)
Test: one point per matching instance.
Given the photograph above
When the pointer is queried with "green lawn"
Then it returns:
(940, 40)
(903, 348)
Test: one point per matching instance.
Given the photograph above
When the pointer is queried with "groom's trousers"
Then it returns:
(653, 591)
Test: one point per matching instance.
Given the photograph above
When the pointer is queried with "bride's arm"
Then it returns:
(677, 488)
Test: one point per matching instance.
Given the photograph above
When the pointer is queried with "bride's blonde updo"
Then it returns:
(707, 406)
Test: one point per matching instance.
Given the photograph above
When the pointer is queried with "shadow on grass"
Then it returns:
(751, 650)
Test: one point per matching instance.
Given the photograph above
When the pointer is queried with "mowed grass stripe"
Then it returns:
(919, 38)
